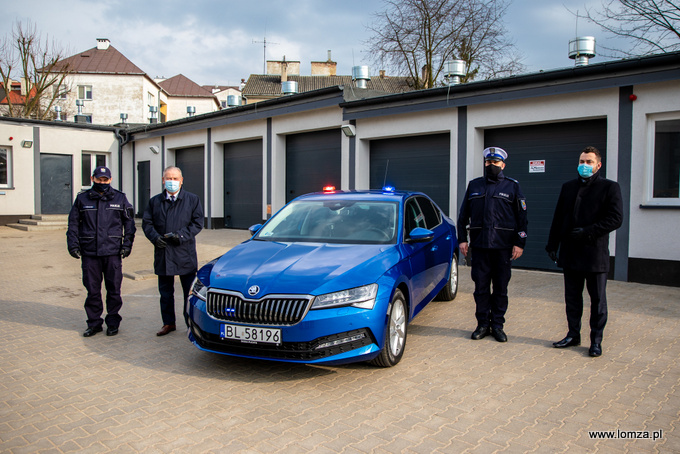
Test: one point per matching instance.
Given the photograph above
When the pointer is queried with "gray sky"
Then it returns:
(220, 41)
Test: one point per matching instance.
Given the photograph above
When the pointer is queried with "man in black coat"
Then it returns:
(495, 210)
(588, 209)
(171, 222)
(101, 230)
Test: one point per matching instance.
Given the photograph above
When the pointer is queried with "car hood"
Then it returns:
(300, 268)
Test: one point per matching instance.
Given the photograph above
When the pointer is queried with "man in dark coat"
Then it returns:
(496, 211)
(171, 222)
(101, 230)
(588, 209)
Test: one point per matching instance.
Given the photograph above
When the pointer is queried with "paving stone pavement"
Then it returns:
(136, 392)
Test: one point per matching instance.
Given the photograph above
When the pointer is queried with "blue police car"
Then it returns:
(334, 277)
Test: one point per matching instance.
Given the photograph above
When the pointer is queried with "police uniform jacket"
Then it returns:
(100, 224)
(184, 217)
(594, 204)
(496, 212)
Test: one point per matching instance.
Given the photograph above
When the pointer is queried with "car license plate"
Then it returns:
(251, 334)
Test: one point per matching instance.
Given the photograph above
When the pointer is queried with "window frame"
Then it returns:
(10, 174)
(90, 91)
(650, 201)
(93, 164)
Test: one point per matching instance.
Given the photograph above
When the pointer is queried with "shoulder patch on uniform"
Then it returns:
(524, 204)
(512, 179)
(522, 234)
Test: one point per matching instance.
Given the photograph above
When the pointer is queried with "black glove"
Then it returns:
(553, 256)
(75, 253)
(578, 233)
(125, 252)
(173, 238)
(160, 243)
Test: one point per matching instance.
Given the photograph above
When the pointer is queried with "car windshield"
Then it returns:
(333, 221)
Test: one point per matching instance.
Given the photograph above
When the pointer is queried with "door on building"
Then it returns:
(56, 194)
(542, 158)
(191, 162)
(417, 163)
(143, 186)
(242, 184)
(313, 160)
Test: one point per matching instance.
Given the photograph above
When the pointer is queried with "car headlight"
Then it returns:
(199, 290)
(361, 297)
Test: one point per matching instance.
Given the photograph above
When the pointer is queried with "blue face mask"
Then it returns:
(172, 186)
(585, 170)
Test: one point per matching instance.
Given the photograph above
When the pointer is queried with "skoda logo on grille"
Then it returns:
(254, 290)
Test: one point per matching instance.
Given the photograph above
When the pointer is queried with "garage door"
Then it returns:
(190, 160)
(419, 163)
(313, 160)
(242, 184)
(542, 158)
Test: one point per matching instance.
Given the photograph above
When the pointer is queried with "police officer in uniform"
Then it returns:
(496, 211)
(101, 230)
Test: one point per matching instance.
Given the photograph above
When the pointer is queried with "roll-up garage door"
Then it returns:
(191, 161)
(242, 184)
(313, 160)
(418, 163)
(542, 158)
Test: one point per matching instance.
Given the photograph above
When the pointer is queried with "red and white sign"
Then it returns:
(537, 166)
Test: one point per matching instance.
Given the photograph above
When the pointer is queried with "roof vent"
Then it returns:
(582, 49)
(360, 74)
(289, 87)
(191, 110)
(103, 43)
(233, 101)
(453, 71)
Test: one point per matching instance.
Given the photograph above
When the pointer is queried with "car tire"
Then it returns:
(395, 333)
(450, 290)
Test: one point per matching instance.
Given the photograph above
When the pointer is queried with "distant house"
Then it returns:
(227, 96)
(186, 98)
(283, 78)
(13, 95)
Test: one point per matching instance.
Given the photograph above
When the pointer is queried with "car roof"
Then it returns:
(371, 194)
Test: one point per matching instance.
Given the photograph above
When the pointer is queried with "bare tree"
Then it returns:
(652, 26)
(39, 66)
(417, 37)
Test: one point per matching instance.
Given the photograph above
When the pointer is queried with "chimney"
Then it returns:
(382, 73)
(103, 43)
(424, 75)
(582, 49)
(324, 68)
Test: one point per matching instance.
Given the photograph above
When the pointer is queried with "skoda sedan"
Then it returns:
(334, 277)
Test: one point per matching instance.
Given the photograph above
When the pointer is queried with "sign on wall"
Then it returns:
(537, 166)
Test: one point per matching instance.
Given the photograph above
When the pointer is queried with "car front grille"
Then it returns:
(281, 311)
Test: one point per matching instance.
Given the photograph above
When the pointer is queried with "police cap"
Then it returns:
(101, 171)
(495, 154)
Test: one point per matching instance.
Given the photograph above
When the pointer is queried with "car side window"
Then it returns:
(413, 216)
(431, 213)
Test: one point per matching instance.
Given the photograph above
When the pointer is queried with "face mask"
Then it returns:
(492, 171)
(585, 170)
(172, 186)
(101, 187)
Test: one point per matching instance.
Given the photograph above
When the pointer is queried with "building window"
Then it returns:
(666, 149)
(60, 92)
(90, 162)
(5, 167)
(84, 91)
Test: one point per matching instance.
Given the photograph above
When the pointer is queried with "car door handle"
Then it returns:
(434, 248)
(448, 237)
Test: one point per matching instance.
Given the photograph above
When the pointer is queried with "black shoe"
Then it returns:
(595, 350)
(111, 331)
(92, 331)
(567, 342)
(480, 333)
(499, 334)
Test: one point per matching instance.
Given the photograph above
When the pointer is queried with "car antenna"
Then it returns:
(387, 166)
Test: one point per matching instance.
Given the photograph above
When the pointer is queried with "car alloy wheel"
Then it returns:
(395, 333)
(450, 290)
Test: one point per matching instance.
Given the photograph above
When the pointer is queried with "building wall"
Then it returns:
(177, 106)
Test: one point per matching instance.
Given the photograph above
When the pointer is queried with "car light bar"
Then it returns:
(389, 189)
(328, 188)
(344, 340)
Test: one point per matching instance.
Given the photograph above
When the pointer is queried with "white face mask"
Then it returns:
(172, 186)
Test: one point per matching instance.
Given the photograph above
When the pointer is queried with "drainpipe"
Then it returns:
(123, 138)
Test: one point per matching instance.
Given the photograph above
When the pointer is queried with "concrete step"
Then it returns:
(32, 228)
(42, 222)
(50, 217)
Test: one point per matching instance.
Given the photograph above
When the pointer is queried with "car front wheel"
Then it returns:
(395, 333)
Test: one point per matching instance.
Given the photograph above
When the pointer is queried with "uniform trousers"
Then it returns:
(166, 288)
(110, 269)
(596, 283)
(491, 266)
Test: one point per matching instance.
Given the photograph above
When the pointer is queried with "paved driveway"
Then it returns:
(135, 392)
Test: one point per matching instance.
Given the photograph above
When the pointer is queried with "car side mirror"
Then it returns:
(253, 229)
(420, 235)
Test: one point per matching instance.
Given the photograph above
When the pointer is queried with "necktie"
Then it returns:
(172, 198)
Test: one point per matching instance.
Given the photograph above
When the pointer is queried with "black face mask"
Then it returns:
(101, 187)
(491, 171)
